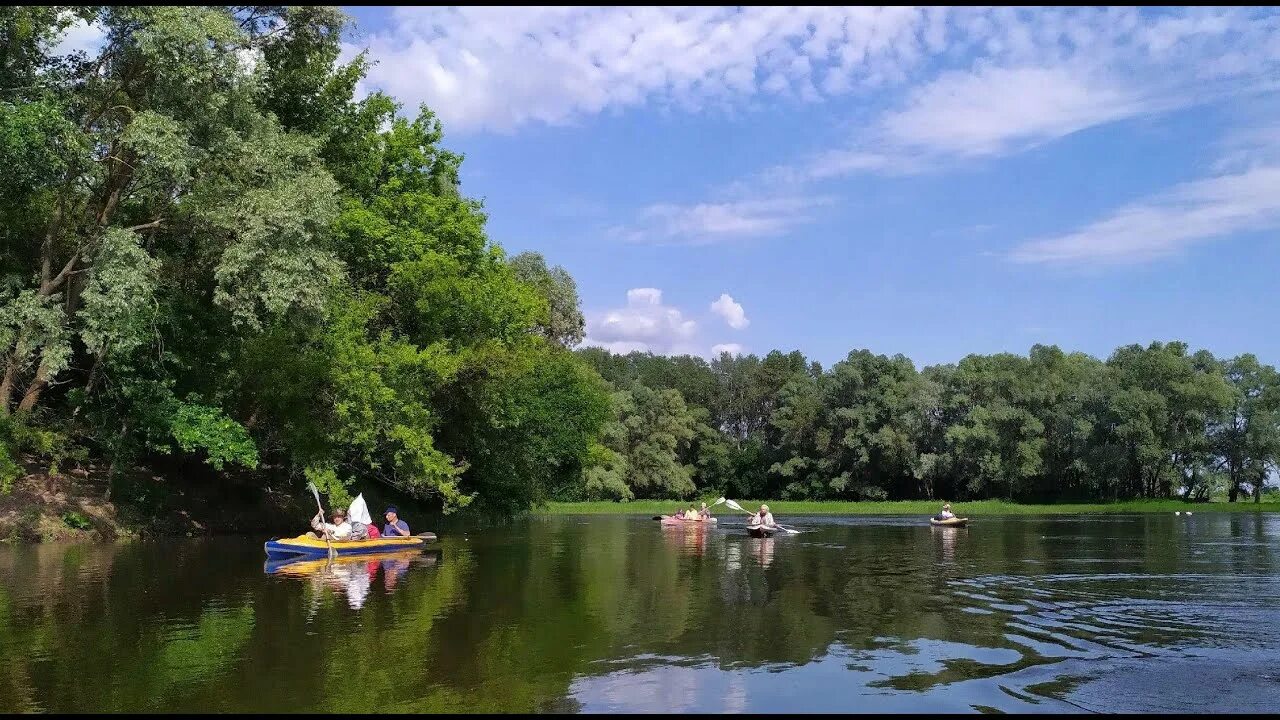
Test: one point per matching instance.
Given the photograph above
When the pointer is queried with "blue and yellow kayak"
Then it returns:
(303, 565)
(317, 547)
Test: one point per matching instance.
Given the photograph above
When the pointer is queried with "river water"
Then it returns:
(1150, 613)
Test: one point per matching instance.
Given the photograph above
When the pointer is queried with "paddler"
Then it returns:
(762, 518)
(946, 513)
(704, 513)
(339, 530)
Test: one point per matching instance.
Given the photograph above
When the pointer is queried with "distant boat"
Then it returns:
(952, 522)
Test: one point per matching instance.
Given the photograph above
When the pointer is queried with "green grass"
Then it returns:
(904, 507)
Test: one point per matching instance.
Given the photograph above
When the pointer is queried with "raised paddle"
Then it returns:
(327, 540)
(739, 508)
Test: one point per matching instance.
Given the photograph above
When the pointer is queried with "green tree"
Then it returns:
(1246, 437)
(564, 323)
(649, 432)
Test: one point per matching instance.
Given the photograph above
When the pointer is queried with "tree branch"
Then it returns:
(63, 275)
(146, 226)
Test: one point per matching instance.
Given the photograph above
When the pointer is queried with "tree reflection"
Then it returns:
(514, 618)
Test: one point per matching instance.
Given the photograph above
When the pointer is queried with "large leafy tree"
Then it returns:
(212, 248)
(152, 199)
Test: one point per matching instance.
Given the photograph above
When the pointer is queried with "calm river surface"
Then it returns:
(1149, 613)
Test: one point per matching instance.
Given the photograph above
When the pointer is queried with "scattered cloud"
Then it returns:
(942, 87)
(500, 68)
(644, 324)
(958, 81)
(1044, 75)
(708, 222)
(1167, 223)
(647, 324)
(1250, 146)
(731, 311)
(993, 111)
(1010, 80)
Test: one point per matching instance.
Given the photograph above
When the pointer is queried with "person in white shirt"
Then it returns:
(946, 513)
(340, 529)
(764, 517)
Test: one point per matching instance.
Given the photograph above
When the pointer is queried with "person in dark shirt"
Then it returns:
(395, 527)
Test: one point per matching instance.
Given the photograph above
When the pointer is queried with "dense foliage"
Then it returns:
(212, 249)
(1149, 422)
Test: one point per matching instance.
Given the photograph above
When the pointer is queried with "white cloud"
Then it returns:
(1030, 73)
(943, 86)
(1255, 145)
(620, 347)
(80, 36)
(1167, 223)
(731, 311)
(1046, 75)
(647, 324)
(703, 223)
(499, 68)
(991, 111)
(988, 83)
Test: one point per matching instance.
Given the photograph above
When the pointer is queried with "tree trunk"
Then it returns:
(37, 386)
(6, 386)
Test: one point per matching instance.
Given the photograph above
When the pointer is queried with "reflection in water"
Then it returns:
(352, 575)
(1128, 613)
(947, 539)
(762, 548)
(690, 538)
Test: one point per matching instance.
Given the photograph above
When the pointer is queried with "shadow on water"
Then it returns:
(1121, 613)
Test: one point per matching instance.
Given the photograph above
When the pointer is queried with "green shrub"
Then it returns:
(76, 520)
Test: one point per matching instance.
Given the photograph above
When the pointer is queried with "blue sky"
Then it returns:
(930, 182)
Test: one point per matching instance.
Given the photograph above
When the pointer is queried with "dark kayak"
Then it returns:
(759, 531)
(953, 522)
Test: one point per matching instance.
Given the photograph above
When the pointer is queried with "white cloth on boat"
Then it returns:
(359, 511)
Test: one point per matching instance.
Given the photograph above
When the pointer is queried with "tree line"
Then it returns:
(1148, 422)
(216, 258)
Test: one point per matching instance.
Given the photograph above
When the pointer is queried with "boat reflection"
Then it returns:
(353, 575)
(690, 537)
(762, 549)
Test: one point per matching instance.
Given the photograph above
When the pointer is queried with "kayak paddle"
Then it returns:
(739, 508)
(328, 541)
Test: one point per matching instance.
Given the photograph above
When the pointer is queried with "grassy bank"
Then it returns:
(906, 507)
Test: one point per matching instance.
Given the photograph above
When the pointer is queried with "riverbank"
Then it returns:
(79, 506)
(904, 507)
